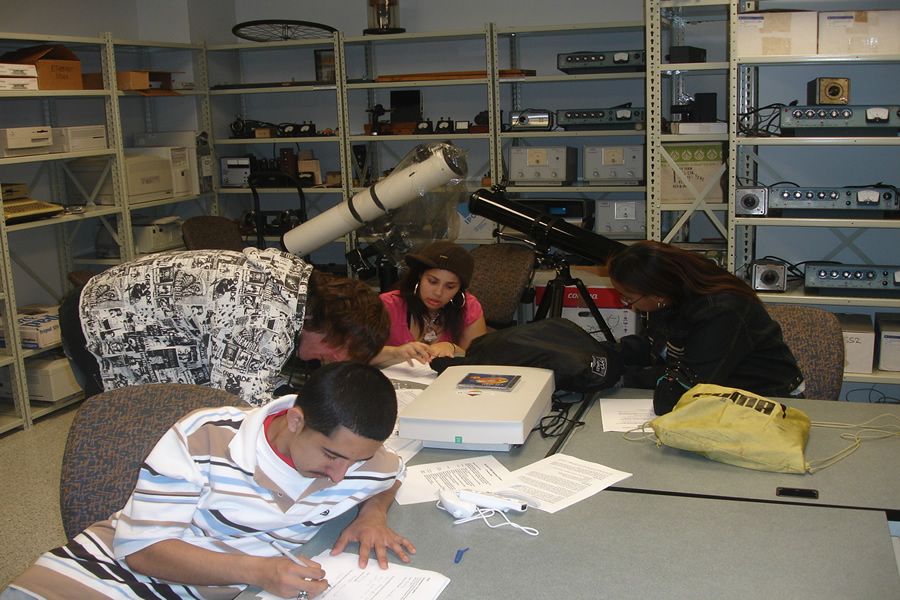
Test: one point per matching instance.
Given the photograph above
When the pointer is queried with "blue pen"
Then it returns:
(459, 554)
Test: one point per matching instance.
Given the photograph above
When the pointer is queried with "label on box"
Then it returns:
(602, 297)
(472, 226)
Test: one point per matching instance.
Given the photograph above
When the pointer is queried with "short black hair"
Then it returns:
(349, 394)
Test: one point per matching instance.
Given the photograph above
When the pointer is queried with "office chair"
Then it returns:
(501, 278)
(209, 232)
(111, 435)
(272, 179)
(814, 336)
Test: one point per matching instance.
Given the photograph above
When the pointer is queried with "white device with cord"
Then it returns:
(489, 500)
(465, 511)
(456, 506)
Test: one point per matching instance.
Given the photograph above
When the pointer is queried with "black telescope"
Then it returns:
(545, 230)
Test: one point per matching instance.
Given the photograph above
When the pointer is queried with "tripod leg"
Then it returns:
(595, 312)
(552, 302)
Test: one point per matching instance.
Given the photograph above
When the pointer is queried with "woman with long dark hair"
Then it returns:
(703, 325)
(431, 313)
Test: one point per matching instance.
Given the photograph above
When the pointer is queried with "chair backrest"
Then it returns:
(502, 274)
(814, 336)
(210, 232)
(111, 435)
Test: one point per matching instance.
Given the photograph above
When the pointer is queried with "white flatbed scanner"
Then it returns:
(447, 416)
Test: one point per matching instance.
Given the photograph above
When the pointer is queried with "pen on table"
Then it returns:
(459, 555)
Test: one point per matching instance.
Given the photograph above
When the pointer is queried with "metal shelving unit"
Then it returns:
(667, 22)
(667, 83)
(106, 55)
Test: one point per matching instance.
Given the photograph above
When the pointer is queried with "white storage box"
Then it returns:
(887, 330)
(859, 32)
(77, 139)
(49, 380)
(38, 326)
(18, 83)
(25, 141)
(777, 34)
(859, 342)
(17, 70)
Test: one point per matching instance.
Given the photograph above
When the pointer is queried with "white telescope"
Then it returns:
(435, 165)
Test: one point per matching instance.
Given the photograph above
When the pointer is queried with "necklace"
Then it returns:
(431, 333)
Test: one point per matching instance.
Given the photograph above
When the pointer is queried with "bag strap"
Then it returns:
(868, 430)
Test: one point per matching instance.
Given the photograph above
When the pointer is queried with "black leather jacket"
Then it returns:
(721, 338)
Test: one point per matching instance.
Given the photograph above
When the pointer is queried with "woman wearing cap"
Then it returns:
(431, 313)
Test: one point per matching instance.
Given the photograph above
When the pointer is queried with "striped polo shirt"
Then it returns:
(212, 481)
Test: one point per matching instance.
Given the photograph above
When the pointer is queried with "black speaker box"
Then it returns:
(828, 90)
(406, 106)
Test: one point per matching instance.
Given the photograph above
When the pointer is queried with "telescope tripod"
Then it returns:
(552, 302)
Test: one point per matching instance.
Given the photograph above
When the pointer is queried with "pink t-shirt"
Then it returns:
(400, 333)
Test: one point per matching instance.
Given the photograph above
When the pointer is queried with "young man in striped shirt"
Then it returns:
(224, 487)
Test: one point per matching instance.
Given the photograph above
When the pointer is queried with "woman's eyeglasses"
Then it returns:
(629, 303)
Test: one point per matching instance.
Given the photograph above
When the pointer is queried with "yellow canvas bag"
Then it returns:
(736, 427)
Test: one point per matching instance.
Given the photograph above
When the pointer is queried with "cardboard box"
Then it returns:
(38, 326)
(311, 166)
(49, 380)
(144, 82)
(56, 67)
(859, 342)
(700, 163)
(474, 227)
(18, 83)
(859, 32)
(887, 330)
(777, 33)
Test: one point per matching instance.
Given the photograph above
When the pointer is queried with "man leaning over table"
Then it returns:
(225, 486)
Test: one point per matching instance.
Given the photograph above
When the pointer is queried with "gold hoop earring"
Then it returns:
(463, 302)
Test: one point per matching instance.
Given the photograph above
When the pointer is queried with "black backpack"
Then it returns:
(579, 362)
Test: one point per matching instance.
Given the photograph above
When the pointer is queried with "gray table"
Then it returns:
(629, 545)
(868, 478)
(619, 544)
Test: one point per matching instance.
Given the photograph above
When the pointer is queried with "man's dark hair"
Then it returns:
(349, 394)
(349, 313)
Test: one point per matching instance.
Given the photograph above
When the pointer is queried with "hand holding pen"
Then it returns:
(301, 584)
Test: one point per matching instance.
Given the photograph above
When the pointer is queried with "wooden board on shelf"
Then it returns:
(453, 75)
